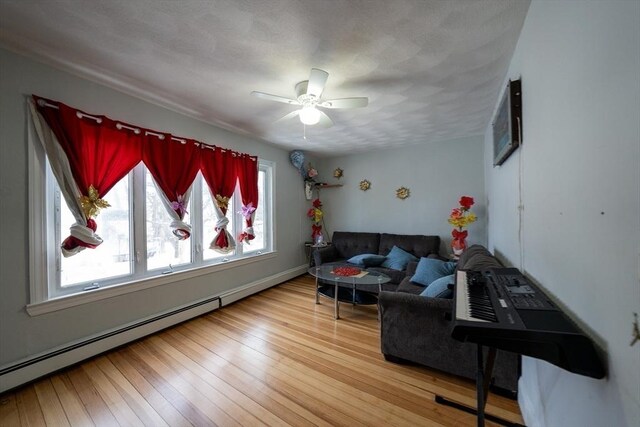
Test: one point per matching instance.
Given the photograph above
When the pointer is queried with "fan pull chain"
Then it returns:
(304, 131)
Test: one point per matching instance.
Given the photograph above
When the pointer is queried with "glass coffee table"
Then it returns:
(358, 289)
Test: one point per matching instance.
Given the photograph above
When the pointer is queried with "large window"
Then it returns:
(138, 240)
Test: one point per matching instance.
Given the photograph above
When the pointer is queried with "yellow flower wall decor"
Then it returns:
(402, 193)
(337, 173)
(365, 185)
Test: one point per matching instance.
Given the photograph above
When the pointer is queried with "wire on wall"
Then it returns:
(520, 203)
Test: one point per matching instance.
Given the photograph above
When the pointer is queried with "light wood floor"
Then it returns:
(275, 358)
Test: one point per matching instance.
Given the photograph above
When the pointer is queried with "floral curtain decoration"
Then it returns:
(248, 181)
(218, 167)
(89, 154)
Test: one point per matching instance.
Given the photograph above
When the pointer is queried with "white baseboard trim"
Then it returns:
(33, 367)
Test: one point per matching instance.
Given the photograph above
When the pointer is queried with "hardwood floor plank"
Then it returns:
(320, 369)
(200, 400)
(259, 391)
(96, 407)
(234, 403)
(365, 381)
(9, 415)
(275, 358)
(302, 396)
(156, 400)
(189, 410)
(138, 404)
(117, 404)
(330, 393)
(50, 404)
(29, 410)
(71, 403)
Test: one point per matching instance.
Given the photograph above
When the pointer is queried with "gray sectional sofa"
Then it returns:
(417, 329)
(345, 245)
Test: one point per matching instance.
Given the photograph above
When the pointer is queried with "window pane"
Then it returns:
(209, 224)
(163, 248)
(111, 258)
(259, 243)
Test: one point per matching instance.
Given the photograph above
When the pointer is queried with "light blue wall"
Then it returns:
(22, 335)
(437, 174)
(579, 171)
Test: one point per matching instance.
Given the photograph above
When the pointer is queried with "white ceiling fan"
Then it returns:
(308, 94)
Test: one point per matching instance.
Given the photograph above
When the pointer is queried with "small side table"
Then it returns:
(309, 247)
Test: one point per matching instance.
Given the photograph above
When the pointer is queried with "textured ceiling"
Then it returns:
(432, 69)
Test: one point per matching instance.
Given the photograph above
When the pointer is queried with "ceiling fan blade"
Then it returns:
(317, 80)
(325, 121)
(345, 103)
(288, 116)
(275, 98)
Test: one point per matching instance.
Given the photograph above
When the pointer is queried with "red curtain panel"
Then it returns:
(173, 165)
(248, 180)
(218, 167)
(99, 155)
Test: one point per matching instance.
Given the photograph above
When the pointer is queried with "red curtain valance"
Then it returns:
(94, 152)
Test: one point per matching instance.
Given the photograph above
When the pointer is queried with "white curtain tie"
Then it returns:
(231, 244)
(84, 233)
(180, 229)
(222, 223)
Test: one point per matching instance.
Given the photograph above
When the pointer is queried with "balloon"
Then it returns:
(297, 160)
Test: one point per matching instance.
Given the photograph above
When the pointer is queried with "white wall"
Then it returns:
(580, 175)
(437, 175)
(22, 335)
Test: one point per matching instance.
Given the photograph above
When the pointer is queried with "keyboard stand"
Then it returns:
(483, 378)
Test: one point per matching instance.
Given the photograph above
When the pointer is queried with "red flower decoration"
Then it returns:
(317, 203)
(346, 271)
(316, 230)
(459, 235)
(466, 202)
(455, 213)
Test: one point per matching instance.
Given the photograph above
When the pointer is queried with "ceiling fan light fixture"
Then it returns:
(309, 115)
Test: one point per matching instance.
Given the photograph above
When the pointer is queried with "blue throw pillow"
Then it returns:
(367, 260)
(430, 269)
(397, 259)
(439, 288)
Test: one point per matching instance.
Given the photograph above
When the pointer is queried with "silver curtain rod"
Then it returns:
(120, 126)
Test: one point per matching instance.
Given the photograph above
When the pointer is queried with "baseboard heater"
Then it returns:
(36, 367)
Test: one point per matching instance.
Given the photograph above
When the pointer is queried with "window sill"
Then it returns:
(67, 301)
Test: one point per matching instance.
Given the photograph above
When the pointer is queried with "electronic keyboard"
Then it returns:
(500, 308)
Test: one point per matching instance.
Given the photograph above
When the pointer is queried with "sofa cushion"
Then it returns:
(348, 244)
(396, 276)
(410, 288)
(367, 260)
(469, 253)
(398, 259)
(430, 269)
(439, 288)
(418, 245)
(477, 258)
